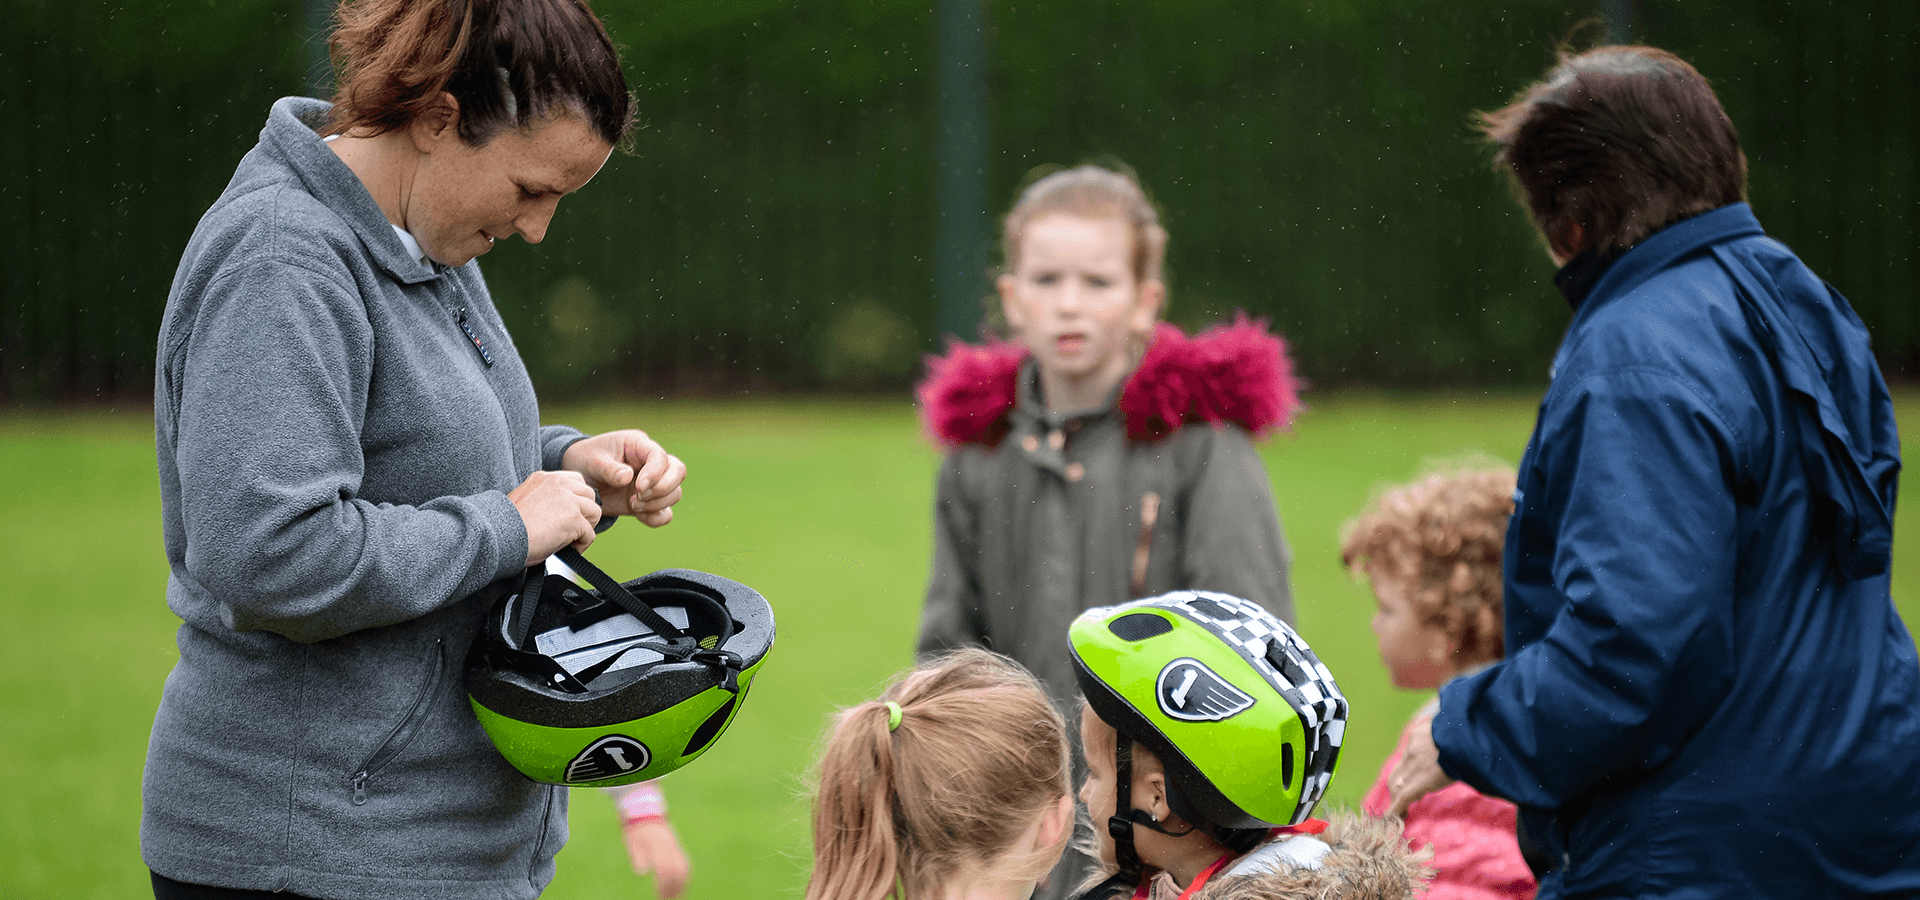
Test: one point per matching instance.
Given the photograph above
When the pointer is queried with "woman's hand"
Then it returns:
(558, 510)
(653, 847)
(633, 473)
(1418, 773)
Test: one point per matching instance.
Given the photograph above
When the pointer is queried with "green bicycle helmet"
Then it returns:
(618, 684)
(1245, 719)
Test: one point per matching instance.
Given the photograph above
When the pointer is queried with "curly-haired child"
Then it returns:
(1431, 551)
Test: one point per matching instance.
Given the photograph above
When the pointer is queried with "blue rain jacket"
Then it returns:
(1708, 691)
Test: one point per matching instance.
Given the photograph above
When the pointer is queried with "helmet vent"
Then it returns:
(1139, 626)
(1286, 765)
(711, 728)
(1286, 665)
(1212, 609)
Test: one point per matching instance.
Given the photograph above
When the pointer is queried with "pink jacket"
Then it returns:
(1471, 835)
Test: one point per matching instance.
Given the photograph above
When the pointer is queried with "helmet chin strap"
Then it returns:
(1120, 827)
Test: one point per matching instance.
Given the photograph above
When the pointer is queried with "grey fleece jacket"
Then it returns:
(334, 452)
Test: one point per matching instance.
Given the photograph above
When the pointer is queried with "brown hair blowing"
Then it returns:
(979, 755)
(507, 63)
(1621, 140)
(1445, 533)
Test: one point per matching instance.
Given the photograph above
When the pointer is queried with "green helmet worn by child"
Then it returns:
(618, 684)
(1245, 719)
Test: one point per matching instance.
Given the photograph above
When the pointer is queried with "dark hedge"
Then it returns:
(776, 226)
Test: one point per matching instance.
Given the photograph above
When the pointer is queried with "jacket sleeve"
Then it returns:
(270, 387)
(952, 617)
(1630, 495)
(1233, 541)
(554, 441)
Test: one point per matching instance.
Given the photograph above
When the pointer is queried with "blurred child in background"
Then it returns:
(1100, 455)
(954, 783)
(1431, 552)
(1211, 730)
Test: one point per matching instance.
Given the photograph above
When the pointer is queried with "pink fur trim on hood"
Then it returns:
(1235, 373)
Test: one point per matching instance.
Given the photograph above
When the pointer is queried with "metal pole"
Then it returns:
(963, 229)
(317, 24)
(1619, 16)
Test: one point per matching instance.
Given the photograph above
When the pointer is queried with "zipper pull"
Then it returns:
(360, 780)
(486, 355)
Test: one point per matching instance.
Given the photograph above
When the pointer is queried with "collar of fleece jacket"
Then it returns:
(1235, 373)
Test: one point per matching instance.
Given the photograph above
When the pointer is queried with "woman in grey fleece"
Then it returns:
(349, 447)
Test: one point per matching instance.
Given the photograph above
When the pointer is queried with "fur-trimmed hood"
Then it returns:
(1369, 861)
(1236, 373)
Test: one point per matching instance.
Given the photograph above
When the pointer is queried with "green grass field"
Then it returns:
(823, 506)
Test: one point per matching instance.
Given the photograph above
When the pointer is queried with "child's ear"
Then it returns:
(1146, 310)
(1150, 793)
(1009, 302)
(1056, 825)
(1489, 622)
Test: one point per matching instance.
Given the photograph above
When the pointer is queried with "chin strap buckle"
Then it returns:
(725, 663)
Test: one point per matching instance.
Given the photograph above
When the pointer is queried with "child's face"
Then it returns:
(1072, 299)
(1097, 793)
(1417, 652)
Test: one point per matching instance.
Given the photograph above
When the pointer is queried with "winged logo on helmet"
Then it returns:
(1189, 691)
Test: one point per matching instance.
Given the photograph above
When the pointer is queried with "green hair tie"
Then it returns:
(893, 715)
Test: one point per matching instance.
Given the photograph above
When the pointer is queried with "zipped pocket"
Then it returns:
(402, 733)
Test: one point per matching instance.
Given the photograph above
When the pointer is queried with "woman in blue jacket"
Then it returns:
(1709, 692)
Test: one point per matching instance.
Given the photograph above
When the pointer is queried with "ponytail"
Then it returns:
(979, 753)
(856, 845)
(507, 63)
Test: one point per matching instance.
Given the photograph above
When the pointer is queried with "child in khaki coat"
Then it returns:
(1101, 455)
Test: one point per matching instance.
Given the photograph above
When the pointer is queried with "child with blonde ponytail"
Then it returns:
(954, 784)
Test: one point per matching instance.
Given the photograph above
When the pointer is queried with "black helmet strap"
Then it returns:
(1120, 827)
(617, 593)
(679, 645)
(533, 589)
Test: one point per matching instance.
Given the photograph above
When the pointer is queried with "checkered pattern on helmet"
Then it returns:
(1301, 677)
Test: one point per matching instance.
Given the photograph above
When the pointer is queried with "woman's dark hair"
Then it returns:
(1622, 140)
(508, 63)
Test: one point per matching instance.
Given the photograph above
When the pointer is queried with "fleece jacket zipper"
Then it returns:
(402, 733)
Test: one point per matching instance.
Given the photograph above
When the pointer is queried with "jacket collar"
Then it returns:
(1234, 373)
(290, 134)
(1668, 245)
(1577, 277)
(1030, 407)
